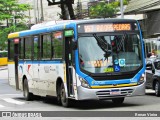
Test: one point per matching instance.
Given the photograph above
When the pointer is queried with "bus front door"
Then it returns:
(69, 65)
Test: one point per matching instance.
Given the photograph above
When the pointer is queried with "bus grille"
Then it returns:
(105, 94)
(115, 77)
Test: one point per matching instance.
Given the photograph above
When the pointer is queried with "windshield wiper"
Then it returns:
(103, 45)
(121, 42)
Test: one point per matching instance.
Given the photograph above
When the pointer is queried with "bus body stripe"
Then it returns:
(11, 63)
(13, 35)
(112, 86)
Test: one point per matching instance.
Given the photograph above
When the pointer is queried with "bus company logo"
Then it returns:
(93, 82)
(114, 84)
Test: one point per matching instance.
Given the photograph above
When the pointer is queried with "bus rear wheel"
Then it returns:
(27, 95)
(63, 98)
(118, 101)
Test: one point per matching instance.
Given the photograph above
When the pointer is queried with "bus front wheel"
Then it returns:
(27, 95)
(118, 101)
(157, 89)
(63, 98)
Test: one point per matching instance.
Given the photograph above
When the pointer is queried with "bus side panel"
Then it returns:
(20, 76)
(11, 74)
(28, 72)
(48, 74)
(25, 69)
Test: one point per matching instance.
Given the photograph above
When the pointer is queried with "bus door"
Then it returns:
(16, 50)
(13, 68)
(69, 65)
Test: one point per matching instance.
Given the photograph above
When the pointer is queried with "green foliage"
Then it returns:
(104, 10)
(10, 12)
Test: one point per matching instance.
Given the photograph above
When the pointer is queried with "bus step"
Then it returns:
(71, 96)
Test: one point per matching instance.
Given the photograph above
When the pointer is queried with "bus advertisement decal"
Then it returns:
(110, 69)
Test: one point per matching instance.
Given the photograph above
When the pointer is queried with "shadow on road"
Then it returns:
(151, 94)
(84, 105)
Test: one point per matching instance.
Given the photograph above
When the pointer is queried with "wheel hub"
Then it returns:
(156, 88)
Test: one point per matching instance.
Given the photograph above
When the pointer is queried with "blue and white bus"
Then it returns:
(95, 59)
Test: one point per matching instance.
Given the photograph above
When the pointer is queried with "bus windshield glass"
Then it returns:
(100, 53)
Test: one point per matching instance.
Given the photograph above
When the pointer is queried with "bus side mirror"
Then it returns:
(74, 45)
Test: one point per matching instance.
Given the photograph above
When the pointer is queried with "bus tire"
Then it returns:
(63, 98)
(118, 101)
(27, 95)
(157, 89)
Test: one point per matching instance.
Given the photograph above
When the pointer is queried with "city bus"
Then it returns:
(96, 59)
(3, 58)
(152, 45)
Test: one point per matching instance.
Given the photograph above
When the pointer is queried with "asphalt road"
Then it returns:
(11, 100)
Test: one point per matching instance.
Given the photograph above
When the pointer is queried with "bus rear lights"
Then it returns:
(141, 80)
(84, 83)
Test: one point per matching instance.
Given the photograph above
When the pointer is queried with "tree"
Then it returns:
(66, 6)
(10, 12)
(104, 10)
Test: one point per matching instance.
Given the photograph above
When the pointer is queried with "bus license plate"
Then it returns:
(115, 93)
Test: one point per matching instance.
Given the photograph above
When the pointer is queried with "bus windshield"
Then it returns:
(100, 53)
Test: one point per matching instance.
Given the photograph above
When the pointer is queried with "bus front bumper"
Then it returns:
(108, 93)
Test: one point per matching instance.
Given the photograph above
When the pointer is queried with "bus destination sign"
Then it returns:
(110, 27)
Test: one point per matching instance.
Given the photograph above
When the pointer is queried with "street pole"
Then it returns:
(79, 8)
(121, 2)
(29, 24)
(108, 1)
(42, 16)
(38, 11)
(35, 16)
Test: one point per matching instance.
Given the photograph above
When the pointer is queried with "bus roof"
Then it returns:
(60, 25)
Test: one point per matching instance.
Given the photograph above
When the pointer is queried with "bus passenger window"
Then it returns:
(58, 45)
(11, 50)
(28, 48)
(21, 48)
(36, 48)
(46, 46)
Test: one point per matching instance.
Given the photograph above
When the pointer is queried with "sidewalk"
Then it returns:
(3, 74)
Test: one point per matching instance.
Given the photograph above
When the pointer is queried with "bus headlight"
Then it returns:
(141, 80)
(84, 83)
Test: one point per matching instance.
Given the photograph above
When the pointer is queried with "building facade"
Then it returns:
(149, 24)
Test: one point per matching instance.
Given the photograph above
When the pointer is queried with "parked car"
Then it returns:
(153, 75)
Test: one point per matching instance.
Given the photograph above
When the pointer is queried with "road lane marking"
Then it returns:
(1, 106)
(12, 94)
(10, 100)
